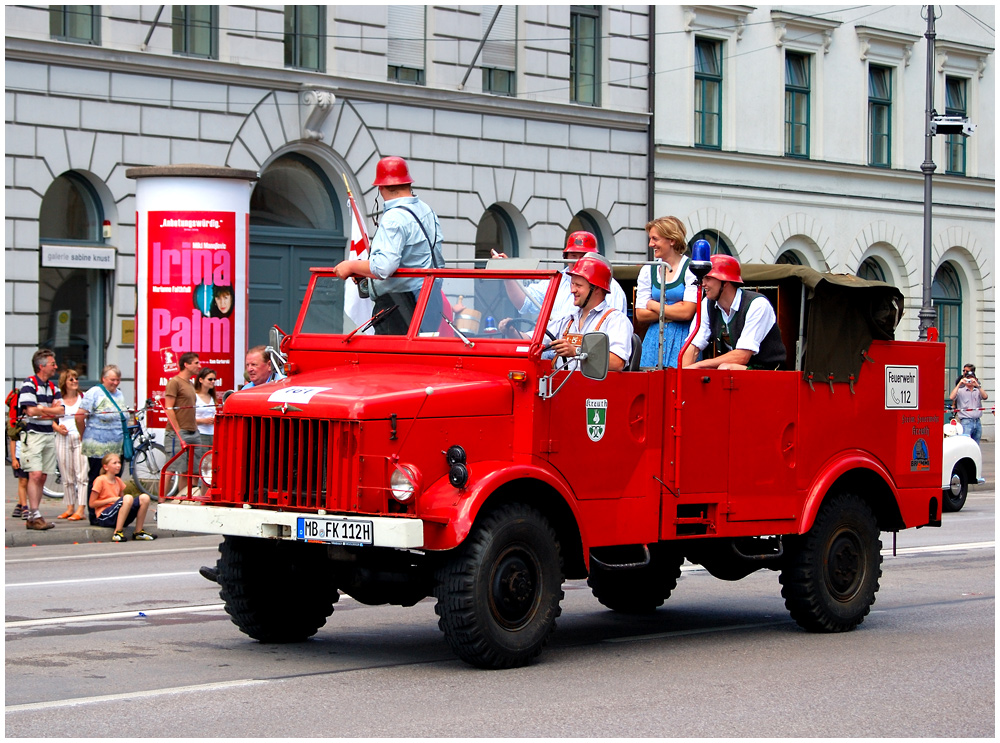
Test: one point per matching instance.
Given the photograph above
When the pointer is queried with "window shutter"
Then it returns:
(406, 34)
(500, 50)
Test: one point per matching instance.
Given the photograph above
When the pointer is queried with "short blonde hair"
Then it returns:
(670, 228)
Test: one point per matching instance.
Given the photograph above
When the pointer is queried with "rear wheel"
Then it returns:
(832, 571)
(958, 489)
(498, 596)
(276, 591)
(637, 590)
(53, 486)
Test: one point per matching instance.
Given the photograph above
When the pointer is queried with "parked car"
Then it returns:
(963, 464)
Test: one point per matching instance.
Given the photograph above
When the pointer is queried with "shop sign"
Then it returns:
(78, 256)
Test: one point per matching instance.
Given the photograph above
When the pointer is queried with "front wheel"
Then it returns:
(498, 596)
(276, 591)
(53, 486)
(958, 489)
(146, 466)
(831, 572)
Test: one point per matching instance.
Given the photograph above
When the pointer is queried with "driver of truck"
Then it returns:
(739, 329)
(259, 369)
(590, 285)
(528, 299)
(407, 236)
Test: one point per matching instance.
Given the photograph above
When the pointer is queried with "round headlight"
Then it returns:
(403, 483)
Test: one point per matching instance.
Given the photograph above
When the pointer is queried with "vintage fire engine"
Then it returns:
(454, 462)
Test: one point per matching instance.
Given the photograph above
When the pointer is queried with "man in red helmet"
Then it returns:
(408, 236)
(590, 285)
(739, 329)
(528, 299)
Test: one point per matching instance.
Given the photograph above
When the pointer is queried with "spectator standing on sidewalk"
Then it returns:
(41, 402)
(73, 466)
(180, 401)
(968, 397)
(100, 423)
(21, 509)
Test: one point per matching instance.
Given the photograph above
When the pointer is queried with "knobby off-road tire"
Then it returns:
(276, 591)
(498, 595)
(638, 590)
(954, 497)
(832, 571)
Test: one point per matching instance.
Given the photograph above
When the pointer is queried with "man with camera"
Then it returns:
(967, 399)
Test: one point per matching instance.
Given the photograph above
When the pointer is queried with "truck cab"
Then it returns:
(445, 458)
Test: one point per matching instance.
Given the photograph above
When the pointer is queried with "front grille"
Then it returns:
(286, 463)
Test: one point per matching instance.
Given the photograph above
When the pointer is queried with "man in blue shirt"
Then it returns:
(408, 236)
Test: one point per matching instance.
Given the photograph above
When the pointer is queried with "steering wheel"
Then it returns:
(528, 323)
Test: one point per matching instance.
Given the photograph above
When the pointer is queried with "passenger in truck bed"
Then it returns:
(739, 329)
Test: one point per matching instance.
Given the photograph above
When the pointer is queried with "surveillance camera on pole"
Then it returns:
(951, 125)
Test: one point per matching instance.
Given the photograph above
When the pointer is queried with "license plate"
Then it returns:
(353, 532)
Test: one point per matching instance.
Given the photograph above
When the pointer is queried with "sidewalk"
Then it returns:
(73, 532)
(65, 532)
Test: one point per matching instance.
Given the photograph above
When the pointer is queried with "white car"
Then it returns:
(963, 464)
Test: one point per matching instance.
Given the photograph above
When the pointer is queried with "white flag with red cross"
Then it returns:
(358, 308)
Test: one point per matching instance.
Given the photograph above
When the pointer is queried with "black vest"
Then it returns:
(772, 350)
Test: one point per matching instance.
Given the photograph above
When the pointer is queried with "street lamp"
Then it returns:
(935, 124)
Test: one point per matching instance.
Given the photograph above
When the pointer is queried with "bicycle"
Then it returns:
(148, 459)
(53, 487)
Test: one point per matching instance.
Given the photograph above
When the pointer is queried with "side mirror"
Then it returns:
(594, 357)
(274, 338)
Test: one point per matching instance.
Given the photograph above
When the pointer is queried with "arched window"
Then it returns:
(788, 258)
(296, 222)
(72, 306)
(946, 295)
(871, 270)
(495, 232)
(715, 239)
(583, 221)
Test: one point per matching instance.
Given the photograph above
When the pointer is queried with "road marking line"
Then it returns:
(700, 631)
(134, 695)
(941, 548)
(98, 580)
(143, 553)
(115, 615)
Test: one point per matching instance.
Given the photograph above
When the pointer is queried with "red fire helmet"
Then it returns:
(392, 171)
(593, 270)
(725, 268)
(580, 242)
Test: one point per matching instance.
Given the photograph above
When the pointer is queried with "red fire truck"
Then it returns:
(451, 461)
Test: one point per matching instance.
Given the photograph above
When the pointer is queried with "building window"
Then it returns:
(584, 53)
(716, 241)
(879, 116)
(946, 295)
(871, 270)
(495, 232)
(72, 304)
(305, 37)
(500, 50)
(406, 44)
(196, 30)
(797, 105)
(79, 23)
(788, 258)
(954, 92)
(708, 93)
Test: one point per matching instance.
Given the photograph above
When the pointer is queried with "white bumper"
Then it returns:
(399, 533)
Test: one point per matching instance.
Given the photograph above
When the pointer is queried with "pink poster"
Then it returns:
(190, 296)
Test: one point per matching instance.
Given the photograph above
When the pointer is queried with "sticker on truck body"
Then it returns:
(597, 418)
(295, 394)
(901, 387)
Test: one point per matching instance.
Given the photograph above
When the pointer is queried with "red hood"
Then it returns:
(353, 393)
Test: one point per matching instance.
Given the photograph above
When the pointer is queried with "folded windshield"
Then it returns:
(464, 305)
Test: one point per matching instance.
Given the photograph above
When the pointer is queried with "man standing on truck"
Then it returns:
(407, 236)
(590, 284)
(739, 329)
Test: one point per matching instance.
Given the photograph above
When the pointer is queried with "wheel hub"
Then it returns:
(513, 589)
(955, 485)
(845, 567)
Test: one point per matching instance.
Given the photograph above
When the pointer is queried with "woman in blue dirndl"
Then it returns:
(671, 283)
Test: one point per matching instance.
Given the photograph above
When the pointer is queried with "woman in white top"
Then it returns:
(204, 410)
(72, 463)
(671, 283)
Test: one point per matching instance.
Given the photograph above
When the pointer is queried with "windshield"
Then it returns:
(473, 304)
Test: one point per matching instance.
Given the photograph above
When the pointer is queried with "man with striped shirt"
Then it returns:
(40, 401)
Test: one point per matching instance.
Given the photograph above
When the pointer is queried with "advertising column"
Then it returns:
(192, 243)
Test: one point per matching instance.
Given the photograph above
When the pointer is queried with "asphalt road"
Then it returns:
(127, 640)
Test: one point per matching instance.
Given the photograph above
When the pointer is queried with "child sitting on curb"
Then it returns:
(115, 507)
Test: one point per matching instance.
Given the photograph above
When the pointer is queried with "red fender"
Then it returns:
(448, 513)
(846, 461)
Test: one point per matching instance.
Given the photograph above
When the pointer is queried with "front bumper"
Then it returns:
(398, 533)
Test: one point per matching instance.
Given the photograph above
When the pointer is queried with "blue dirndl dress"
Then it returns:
(674, 333)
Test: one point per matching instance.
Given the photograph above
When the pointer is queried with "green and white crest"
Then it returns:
(597, 417)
